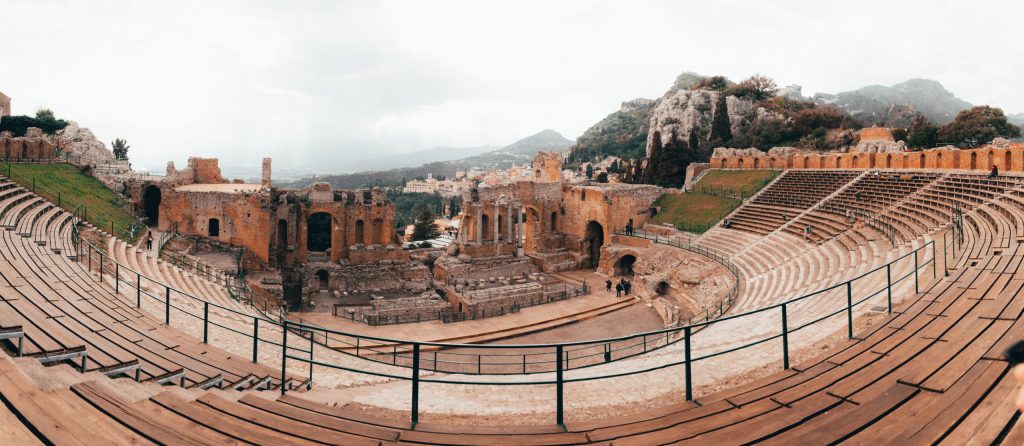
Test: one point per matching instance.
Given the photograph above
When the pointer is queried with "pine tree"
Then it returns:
(721, 132)
(590, 171)
(424, 227)
(120, 148)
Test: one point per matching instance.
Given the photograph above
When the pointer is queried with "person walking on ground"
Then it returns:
(149, 240)
(608, 285)
(618, 289)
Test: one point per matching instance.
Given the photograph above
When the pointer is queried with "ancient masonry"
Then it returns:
(5, 105)
(33, 146)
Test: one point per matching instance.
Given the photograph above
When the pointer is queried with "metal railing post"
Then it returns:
(167, 305)
(117, 278)
(255, 337)
(945, 263)
(888, 285)
(206, 322)
(917, 289)
(284, 355)
(785, 338)
(138, 290)
(686, 353)
(934, 257)
(559, 388)
(415, 384)
(849, 308)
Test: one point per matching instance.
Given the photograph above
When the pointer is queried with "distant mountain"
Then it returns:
(622, 133)
(894, 106)
(1016, 119)
(519, 152)
(416, 158)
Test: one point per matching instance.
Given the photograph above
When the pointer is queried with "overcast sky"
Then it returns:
(309, 81)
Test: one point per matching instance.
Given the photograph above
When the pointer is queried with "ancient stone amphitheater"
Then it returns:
(873, 307)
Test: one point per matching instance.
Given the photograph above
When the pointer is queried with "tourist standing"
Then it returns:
(995, 172)
(618, 289)
(608, 285)
(149, 240)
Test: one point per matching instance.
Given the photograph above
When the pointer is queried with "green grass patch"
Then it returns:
(66, 185)
(734, 182)
(693, 212)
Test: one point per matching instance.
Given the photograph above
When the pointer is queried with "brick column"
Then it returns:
(478, 222)
(497, 211)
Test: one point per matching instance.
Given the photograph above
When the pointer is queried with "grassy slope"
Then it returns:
(747, 181)
(74, 187)
(697, 212)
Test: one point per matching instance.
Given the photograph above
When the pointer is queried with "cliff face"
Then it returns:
(622, 133)
(682, 112)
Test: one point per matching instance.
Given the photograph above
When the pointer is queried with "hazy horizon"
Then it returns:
(319, 83)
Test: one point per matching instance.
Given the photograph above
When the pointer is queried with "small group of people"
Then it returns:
(630, 230)
(621, 288)
(726, 223)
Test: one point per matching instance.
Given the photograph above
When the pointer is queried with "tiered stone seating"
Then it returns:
(787, 197)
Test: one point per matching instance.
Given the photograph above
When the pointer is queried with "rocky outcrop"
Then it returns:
(682, 112)
(83, 145)
(895, 106)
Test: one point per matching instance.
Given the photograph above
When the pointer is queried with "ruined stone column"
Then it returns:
(520, 237)
(497, 212)
(478, 222)
(508, 226)
(266, 174)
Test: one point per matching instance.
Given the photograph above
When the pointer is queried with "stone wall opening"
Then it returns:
(360, 232)
(151, 205)
(624, 266)
(282, 241)
(486, 228)
(554, 222)
(661, 288)
(213, 227)
(593, 240)
(378, 231)
(318, 232)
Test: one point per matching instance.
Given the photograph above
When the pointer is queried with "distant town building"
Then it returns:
(447, 188)
(5, 105)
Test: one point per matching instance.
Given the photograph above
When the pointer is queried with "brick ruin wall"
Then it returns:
(33, 146)
(1008, 158)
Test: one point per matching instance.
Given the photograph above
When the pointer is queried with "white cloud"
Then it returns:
(319, 82)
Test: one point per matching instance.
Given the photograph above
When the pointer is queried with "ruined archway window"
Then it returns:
(213, 228)
(501, 227)
(1008, 161)
(485, 227)
(593, 240)
(991, 160)
(554, 221)
(974, 160)
(378, 231)
(624, 266)
(922, 161)
(888, 161)
(360, 232)
(151, 205)
(318, 232)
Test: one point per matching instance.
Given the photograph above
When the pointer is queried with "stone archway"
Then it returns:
(624, 266)
(360, 232)
(1008, 161)
(324, 279)
(378, 231)
(974, 160)
(593, 240)
(991, 160)
(282, 241)
(151, 205)
(318, 232)
(888, 161)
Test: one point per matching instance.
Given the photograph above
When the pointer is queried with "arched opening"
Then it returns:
(888, 161)
(871, 161)
(921, 162)
(213, 228)
(757, 163)
(360, 232)
(835, 161)
(854, 165)
(151, 205)
(991, 160)
(554, 221)
(593, 239)
(501, 227)
(323, 278)
(807, 162)
(624, 266)
(739, 163)
(485, 228)
(318, 232)
(378, 231)
(661, 288)
(938, 160)
(771, 163)
(974, 160)
(533, 226)
(1008, 161)
(282, 240)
